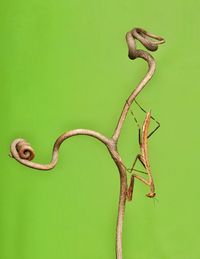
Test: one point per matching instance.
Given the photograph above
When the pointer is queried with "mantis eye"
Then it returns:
(151, 194)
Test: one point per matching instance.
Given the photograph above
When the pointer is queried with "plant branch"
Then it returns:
(142, 36)
(24, 153)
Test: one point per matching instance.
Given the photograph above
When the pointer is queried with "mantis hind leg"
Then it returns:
(157, 122)
(139, 129)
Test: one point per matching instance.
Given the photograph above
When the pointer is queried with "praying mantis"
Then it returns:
(143, 156)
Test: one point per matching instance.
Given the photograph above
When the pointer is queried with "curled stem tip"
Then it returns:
(145, 38)
(21, 149)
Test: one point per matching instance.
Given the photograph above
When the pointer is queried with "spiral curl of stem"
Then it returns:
(24, 153)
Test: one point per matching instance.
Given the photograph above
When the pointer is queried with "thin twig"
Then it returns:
(23, 152)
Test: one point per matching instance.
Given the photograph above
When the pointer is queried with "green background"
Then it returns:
(64, 65)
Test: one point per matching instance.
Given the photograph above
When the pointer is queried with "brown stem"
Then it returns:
(141, 35)
(121, 210)
(23, 152)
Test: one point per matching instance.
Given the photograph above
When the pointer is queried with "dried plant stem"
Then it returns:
(23, 152)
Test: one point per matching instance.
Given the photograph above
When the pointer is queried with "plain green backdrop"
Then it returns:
(64, 65)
